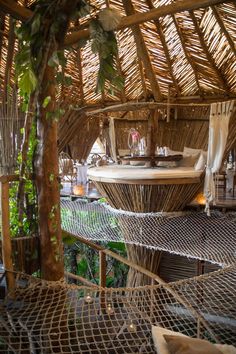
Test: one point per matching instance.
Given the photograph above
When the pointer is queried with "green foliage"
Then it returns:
(55, 115)
(29, 225)
(27, 82)
(84, 261)
(105, 45)
(46, 101)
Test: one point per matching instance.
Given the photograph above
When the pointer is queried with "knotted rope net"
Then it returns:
(55, 317)
(191, 234)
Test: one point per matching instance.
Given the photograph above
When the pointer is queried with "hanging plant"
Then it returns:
(104, 44)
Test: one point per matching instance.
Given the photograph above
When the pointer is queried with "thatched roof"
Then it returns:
(188, 49)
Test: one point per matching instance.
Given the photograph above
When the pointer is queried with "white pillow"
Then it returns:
(173, 152)
(162, 347)
(226, 349)
(159, 341)
(201, 163)
(188, 160)
(190, 151)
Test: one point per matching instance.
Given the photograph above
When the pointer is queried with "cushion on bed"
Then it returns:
(159, 340)
(139, 172)
(174, 152)
(226, 348)
(191, 151)
(187, 345)
(167, 164)
(137, 163)
(161, 346)
(188, 160)
(201, 162)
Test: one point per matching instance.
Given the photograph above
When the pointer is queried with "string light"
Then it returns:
(109, 309)
(88, 299)
(132, 328)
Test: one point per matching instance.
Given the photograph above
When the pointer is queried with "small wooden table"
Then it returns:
(153, 159)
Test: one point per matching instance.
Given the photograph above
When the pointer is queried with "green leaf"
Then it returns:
(68, 240)
(61, 58)
(67, 80)
(82, 267)
(54, 60)
(46, 101)
(59, 77)
(27, 82)
(119, 246)
(118, 82)
(36, 24)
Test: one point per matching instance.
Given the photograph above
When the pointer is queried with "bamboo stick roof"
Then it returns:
(184, 48)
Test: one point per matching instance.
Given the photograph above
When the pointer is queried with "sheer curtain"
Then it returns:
(218, 131)
(112, 136)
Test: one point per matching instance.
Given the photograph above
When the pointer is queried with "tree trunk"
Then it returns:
(47, 181)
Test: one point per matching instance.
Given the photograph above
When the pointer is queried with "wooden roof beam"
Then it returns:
(165, 47)
(80, 69)
(133, 106)
(188, 57)
(224, 30)
(15, 10)
(21, 13)
(141, 70)
(119, 69)
(142, 52)
(141, 17)
(207, 53)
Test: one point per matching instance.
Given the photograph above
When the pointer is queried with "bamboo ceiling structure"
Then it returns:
(186, 48)
(176, 52)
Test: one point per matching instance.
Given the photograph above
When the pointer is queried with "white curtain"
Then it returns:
(218, 131)
(112, 137)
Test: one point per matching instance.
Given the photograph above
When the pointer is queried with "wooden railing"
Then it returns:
(6, 236)
(103, 252)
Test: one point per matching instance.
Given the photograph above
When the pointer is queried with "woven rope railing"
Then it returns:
(55, 317)
(193, 235)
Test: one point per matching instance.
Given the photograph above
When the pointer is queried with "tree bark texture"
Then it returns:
(46, 158)
(47, 183)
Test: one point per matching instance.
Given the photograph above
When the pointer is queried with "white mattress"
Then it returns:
(140, 172)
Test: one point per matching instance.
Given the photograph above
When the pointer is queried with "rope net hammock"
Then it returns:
(54, 317)
(193, 235)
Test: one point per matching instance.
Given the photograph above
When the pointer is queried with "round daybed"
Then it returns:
(142, 189)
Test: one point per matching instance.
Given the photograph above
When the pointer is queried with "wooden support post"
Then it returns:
(168, 106)
(102, 277)
(6, 237)
(152, 134)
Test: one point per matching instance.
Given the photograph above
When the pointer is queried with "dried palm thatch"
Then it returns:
(188, 48)
(168, 51)
(10, 137)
